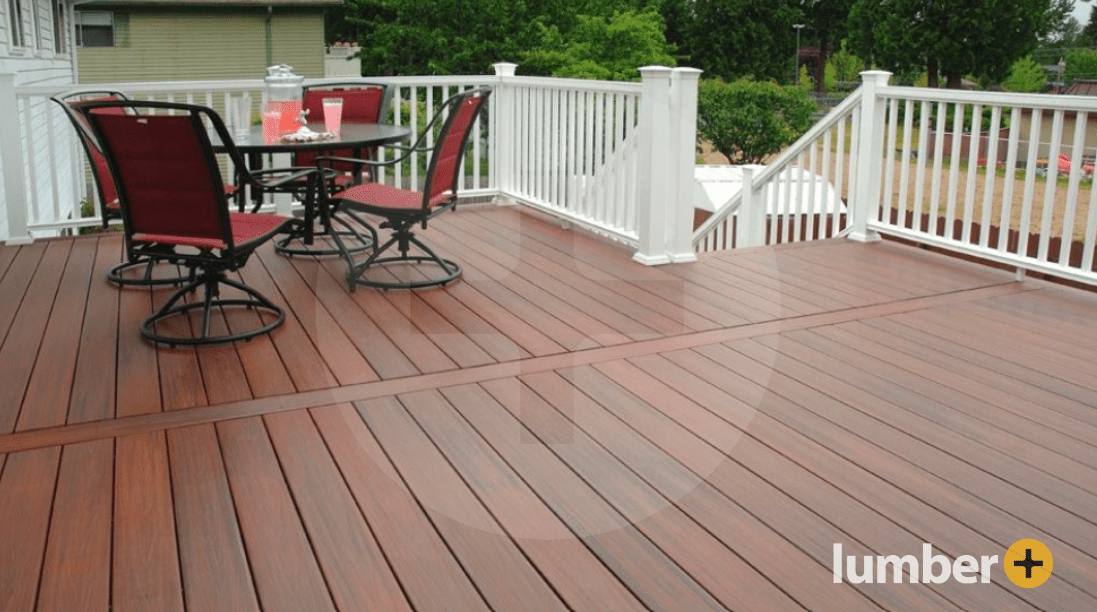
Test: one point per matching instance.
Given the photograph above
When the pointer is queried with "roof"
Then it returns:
(1082, 87)
(205, 3)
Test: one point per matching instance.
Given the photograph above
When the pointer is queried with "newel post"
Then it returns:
(504, 132)
(683, 145)
(11, 157)
(653, 190)
(866, 196)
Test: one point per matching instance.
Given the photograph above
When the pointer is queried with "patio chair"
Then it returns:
(403, 209)
(172, 194)
(362, 103)
(73, 104)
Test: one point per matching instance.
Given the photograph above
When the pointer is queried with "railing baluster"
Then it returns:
(954, 169)
(1030, 184)
(1051, 184)
(974, 144)
(992, 174)
(904, 167)
(1081, 119)
(1006, 217)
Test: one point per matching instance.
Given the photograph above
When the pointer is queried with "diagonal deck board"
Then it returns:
(561, 429)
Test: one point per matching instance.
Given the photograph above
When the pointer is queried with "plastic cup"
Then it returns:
(333, 114)
(272, 117)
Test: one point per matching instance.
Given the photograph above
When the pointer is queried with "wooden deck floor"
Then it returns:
(561, 430)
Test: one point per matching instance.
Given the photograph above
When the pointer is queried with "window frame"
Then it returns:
(79, 25)
(18, 37)
(60, 31)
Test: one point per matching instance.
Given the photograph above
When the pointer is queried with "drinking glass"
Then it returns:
(333, 114)
(272, 117)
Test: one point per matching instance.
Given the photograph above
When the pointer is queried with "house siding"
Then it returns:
(51, 140)
(171, 44)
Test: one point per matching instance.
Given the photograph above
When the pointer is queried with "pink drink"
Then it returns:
(333, 114)
(291, 110)
(271, 121)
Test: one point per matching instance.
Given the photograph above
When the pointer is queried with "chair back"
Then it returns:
(73, 104)
(362, 103)
(169, 183)
(443, 173)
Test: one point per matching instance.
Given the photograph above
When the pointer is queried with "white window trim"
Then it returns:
(15, 24)
(78, 39)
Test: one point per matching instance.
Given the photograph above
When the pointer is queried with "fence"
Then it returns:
(998, 176)
(591, 152)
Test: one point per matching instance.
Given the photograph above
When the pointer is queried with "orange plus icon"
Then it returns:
(1028, 563)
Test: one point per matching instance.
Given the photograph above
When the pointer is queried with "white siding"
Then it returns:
(38, 64)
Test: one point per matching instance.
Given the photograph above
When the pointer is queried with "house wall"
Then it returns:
(173, 44)
(1047, 119)
(38, 63)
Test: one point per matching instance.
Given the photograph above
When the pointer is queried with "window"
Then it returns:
(59, 29)
(94, 29)
(18, 35)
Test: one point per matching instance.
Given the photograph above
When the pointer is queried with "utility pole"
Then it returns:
(796, 76)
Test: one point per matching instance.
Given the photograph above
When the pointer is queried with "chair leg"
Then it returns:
(211, 299)
(118, 274)
(403, 238)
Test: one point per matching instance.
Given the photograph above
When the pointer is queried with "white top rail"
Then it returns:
(990, 98)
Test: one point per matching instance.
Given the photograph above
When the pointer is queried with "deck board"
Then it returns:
(560, 429)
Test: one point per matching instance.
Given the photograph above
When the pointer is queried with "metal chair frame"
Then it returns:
(402, 220)
(209, 265)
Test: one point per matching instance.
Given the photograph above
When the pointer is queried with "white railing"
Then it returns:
(798, 196)
(1015, 187)
(580, 150)
(1002, 177)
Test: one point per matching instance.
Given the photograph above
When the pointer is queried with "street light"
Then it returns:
(796, 76)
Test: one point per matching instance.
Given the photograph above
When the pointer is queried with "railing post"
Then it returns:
(750, 222)
(503, 132)
(11, 157)
(866, 200)
(653, 190)
(683, 109)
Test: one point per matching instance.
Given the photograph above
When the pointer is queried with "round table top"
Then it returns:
(351, 136)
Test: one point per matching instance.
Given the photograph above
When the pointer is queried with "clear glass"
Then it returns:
(333, 114)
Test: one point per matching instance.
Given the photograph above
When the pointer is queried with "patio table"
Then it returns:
(354, 136)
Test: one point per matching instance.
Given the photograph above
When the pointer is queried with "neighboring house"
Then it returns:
(1080, 87)
(187, 40)
(36, 48)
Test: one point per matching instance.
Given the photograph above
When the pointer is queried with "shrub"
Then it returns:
(747, 120)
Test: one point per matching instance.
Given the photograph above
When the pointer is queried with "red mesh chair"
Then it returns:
(74, 103)
(402, 209)
(362, 103)
(171, 193)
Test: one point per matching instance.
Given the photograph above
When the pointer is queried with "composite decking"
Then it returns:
(560, 430)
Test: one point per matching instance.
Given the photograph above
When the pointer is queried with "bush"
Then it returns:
(748, 120)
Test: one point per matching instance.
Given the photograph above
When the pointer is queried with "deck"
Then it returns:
(561, 430)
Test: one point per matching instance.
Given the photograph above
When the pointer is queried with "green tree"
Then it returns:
(1025, 76)
(747, 120)
(1080, 64)
(735, 38)
(953, 37)
(826, 26)
(1062, 28)
(601, 48)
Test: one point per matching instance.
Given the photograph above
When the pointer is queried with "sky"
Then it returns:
(1081, 11)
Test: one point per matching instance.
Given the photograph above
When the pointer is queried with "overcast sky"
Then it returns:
(1081, 11)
